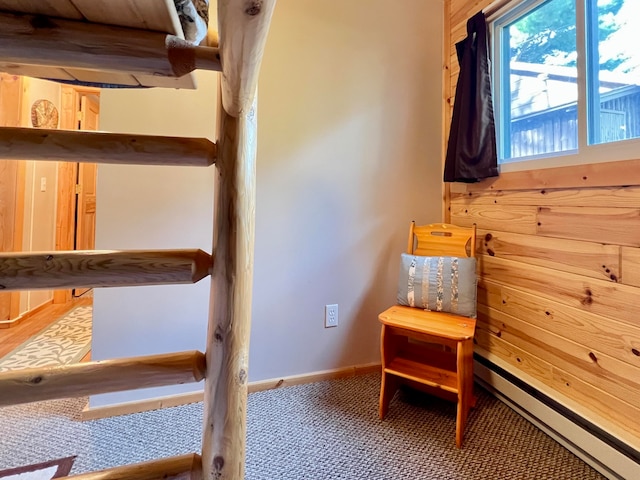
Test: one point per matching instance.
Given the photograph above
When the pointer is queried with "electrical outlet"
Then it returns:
(331, 315)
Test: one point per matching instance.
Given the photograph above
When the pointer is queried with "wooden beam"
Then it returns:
(223, 445)
(101, 268)
(243, 27)
(53, 42)
(91, 378)
(446, 108)
(609, 174)
(184, 467)
(95, 147)
(55, 8)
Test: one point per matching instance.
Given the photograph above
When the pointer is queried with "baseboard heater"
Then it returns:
(604, 452)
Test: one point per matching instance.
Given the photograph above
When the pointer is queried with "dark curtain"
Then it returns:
(471, 151)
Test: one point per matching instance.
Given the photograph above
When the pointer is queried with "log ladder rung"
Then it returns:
(184, 467)
(101, 268)
(91, 378)
(97, 147)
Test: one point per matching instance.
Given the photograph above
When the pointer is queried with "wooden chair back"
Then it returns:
(442, 239)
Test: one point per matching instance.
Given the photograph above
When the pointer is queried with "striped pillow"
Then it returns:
(441, 284)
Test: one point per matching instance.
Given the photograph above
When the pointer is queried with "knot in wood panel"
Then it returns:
(40, 21)
(254, 8)
(218, 464)
(218, 334)
(242, 376)
(587, 300)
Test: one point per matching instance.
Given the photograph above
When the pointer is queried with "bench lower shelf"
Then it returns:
(418, 372)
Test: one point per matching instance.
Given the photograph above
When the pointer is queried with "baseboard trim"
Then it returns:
(127, 408)
(26, 315)
(604, 452)
(194, 397)
(345, 372)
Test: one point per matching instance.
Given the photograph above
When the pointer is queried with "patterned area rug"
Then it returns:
(65, 341)
(40, 471)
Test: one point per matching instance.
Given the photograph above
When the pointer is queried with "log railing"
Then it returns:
(243, 26)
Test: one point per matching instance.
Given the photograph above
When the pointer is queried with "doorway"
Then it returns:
(10, 171)
(46, 206)
(85, 218)
(76, 210)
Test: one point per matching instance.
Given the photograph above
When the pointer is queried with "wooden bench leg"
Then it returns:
(389, 344)
(388, 388)
(465, 387)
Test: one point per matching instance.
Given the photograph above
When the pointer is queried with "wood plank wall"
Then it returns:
(559, 257)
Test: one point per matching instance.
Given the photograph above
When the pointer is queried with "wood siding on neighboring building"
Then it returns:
(559, 286)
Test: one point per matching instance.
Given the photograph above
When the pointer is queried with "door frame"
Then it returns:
(67, 178)
(18, 230)
(11, 116)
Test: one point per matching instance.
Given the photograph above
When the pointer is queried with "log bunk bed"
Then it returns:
(131, 42)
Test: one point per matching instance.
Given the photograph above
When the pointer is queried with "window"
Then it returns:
(566, 77)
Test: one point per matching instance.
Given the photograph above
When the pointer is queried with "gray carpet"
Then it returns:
(327, 430)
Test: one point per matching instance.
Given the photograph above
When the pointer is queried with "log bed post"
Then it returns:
(243, 27)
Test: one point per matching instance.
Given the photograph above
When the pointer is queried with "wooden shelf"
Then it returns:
(425, 374)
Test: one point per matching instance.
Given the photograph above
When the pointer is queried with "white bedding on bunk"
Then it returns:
(194, 18)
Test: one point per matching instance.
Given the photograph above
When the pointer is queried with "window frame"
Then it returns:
(588, 103)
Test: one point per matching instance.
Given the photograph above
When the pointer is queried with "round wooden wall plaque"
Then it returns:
(44, 114)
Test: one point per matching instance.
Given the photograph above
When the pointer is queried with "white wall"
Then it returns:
(349, 152)
(39, 228)
(152, 208)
